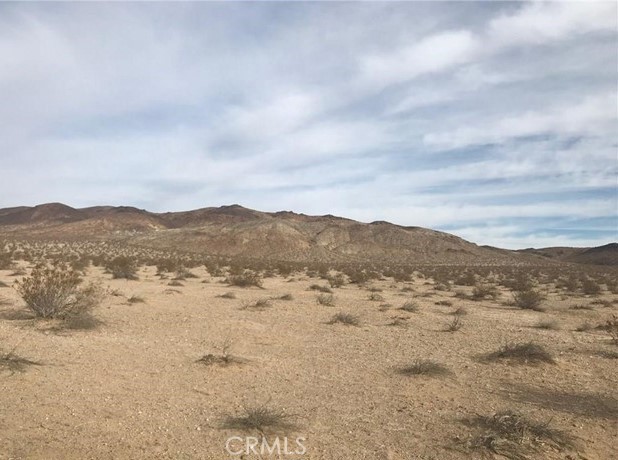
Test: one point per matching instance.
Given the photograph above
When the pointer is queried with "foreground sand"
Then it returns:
(131, 388)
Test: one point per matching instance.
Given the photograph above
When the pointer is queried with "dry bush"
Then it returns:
(54, 292)
(523, 353)
(284, 297)
(262, 419)
(590, 287)
(13, 363)
(336, 281)
(483, 291)
(455, 324)
(549, 324)
(6, 261)
(611, 327)
(327, 300)
(528, 300)
(317, 287)
(122, 267)
(227, 295)
(247, 278)
(345, 318)
(424, 367)
(512, 436)
(410, 307)
(444, 303)
(224, 357)
(260, 304)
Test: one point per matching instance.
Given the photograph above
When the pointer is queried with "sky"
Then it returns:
(495, 121)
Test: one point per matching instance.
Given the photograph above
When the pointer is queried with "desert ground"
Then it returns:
(133, 384)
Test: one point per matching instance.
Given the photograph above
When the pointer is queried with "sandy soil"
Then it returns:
(131, 388)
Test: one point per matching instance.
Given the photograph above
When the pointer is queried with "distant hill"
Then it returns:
(237, 231)
(601, 255)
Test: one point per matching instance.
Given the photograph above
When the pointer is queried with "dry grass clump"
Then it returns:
(513, 436)
(590, 287)
(122, 267)
(345, 318)
(611, 327)
(455, 324)
(224, 357)
(328, 300)
(317, 287)
(227, 295)
(484, 291)
(528, 300)
(260, 304)
(522, 353)
(54, 292)
(13, 363)
(410, 307)
(375, 297)
(549, 324)
(424, 367)
(262, 419)
(247, 278)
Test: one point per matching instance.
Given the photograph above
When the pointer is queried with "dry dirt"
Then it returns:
(131, 388)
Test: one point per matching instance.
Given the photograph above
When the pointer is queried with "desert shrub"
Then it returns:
(261, 419)
(227, 295)
(455, 324)
(346, 319)
(549, 324)
(524, 353)
(260, 304)
(317, 287)
(466, 279)
(13, 363)
(590, 287)
(54, 292)
(224, 357)
(482, 291)
(510, 435)
(424, 367)
(122, 267)
(327, 300)
(337, 280)
(611, 327)
(247, 278)
(6, 261)
(410, 307)
(528, 300)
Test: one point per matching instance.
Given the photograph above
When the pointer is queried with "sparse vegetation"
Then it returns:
(410, 307)
(523, 353)
(455, 324)
(345, 318)
(513, 436)
(528, 300)
(122, 267)
(13, 363)
(424, 367)
(247, 278)
(262, 419)
(328, 300)
(54, 292)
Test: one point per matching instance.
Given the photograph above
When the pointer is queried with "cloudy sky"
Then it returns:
(494, 121)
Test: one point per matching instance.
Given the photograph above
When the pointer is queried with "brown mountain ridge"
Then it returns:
(238, 231)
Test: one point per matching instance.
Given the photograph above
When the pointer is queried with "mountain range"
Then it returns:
(238, 231)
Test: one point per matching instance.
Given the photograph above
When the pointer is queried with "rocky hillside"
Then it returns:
(238, 231)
